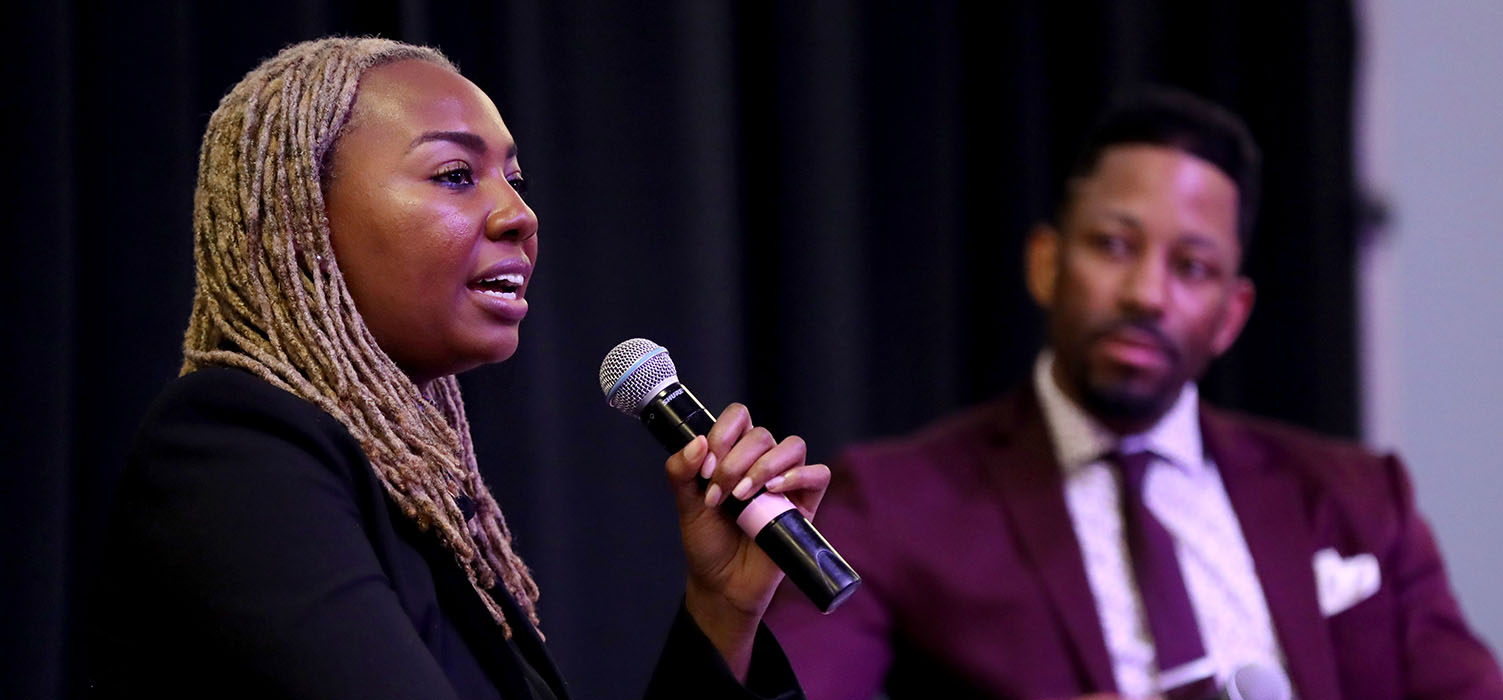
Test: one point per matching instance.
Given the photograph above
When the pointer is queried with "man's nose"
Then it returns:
(1145, 290)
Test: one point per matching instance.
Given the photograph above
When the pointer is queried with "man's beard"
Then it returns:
(1118, 404)
(1117, 401)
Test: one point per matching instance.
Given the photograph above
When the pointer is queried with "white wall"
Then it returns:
(1430, 118)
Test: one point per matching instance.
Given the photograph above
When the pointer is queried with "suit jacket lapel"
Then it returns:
(1032, 491)
(1270, 506)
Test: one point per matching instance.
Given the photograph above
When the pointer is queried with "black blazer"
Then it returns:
(254, 554)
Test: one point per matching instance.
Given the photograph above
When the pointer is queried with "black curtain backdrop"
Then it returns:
(819, 207)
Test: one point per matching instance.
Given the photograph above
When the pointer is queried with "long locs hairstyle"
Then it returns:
(271, 300)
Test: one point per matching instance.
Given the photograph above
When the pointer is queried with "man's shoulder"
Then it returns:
(1232, 436)
(965, 432)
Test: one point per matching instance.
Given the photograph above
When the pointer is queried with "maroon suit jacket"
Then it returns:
(974, 585)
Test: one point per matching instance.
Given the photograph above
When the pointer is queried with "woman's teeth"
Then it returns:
(504, 286)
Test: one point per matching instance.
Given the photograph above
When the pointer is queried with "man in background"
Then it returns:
(1103, 531)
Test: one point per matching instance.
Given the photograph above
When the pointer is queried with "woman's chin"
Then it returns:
(494, 352)
(477, 357)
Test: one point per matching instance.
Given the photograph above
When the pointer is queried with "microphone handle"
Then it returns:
(674, 416)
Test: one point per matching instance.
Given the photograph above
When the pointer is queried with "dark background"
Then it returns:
(817, 206)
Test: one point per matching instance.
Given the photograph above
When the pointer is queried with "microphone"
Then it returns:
(639, 379)
(1256, 682)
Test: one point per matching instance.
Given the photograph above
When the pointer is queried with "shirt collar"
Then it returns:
(1079, 439)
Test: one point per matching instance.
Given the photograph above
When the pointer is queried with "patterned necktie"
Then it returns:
(1184, 671)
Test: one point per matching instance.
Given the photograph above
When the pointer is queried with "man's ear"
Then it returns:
(1238, 307)
(1043, 263)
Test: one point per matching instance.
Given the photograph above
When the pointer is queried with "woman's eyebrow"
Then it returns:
(464, 139)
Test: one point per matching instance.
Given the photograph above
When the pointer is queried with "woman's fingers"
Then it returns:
(733, 473)
(740, 458)
(684, 464)
(733, 422)
(804, 485)
(754, 459)
(728, 432)
(782, 457)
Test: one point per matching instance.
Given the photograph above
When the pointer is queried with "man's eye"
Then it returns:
(1190, 268)
(518, 183)
(1109, 244)
(455, 175)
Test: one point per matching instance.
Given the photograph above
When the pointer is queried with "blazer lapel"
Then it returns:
(504, 662)
(530, 643)
(1270, 507)
(1032, 491)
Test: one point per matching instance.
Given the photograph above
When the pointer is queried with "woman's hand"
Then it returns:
(731, 581)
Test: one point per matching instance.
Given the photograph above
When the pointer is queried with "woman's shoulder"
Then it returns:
(214, 389)
(224, 414)
(219, 394)
(249, 528)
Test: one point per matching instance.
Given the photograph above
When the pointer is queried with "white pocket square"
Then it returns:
(1341, 582)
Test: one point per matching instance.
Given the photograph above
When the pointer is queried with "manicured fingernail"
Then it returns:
(774, 483)
(707, 469)
(742, 489)
(712, 495)
(696, 448)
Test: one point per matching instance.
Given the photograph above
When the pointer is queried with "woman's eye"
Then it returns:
(518, 183)
(456, 175)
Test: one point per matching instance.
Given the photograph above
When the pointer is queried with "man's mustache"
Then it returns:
(1156, 334)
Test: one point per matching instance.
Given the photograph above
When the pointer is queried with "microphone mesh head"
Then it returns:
(633, 371)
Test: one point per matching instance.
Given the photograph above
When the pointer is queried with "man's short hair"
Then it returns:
(1161, 116)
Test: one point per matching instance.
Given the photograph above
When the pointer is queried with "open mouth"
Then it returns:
(506, 286)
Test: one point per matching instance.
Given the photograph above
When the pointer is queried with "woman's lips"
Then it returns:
(508, 306)
(501, 287)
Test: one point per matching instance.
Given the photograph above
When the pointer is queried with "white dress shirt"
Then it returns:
(1183, 490)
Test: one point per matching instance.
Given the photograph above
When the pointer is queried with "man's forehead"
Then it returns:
(1152, 162)
(1143, 182)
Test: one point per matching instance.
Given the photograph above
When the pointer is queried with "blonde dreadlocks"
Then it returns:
(270, 299)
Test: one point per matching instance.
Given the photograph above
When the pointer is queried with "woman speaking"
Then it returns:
(302, 515)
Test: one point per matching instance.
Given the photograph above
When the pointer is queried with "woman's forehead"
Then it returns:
(414, 97)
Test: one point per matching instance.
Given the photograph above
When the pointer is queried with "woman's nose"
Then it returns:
(511, 218)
